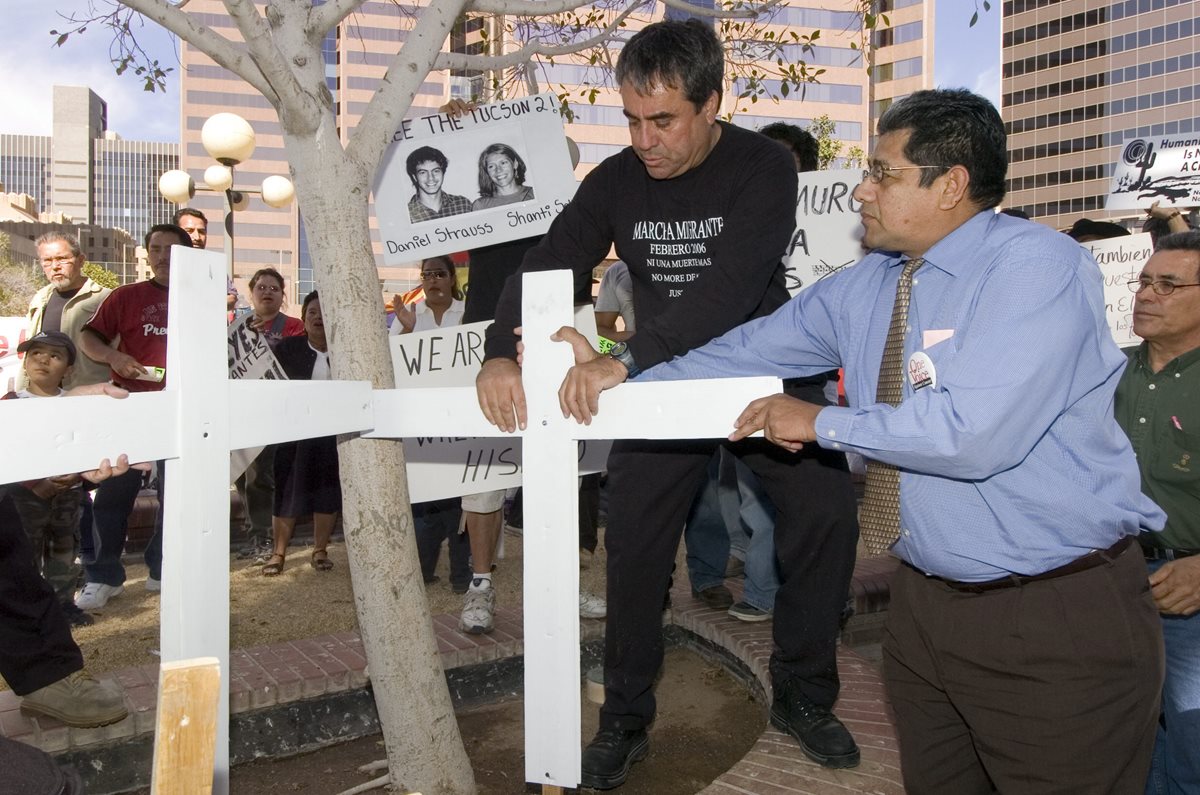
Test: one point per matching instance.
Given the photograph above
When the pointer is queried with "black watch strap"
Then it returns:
(621, 353)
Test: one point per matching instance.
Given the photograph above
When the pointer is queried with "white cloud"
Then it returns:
(32, 66)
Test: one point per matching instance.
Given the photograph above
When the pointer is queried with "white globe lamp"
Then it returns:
(228, 138)
(176, 186)
(277, 191)
(218, 177)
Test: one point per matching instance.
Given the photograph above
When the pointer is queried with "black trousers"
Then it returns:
(652, 485)
(1051, 687)
(36, 648)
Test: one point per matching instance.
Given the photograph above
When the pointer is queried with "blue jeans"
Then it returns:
(733, 511)
(111, 506)
(1175, 767)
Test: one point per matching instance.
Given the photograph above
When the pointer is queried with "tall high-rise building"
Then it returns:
(86, 171)
(359, 51)
(1081, 77)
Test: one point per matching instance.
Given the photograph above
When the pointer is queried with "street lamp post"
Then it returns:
(228, 139)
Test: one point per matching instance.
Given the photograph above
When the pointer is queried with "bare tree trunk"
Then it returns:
(424, 747)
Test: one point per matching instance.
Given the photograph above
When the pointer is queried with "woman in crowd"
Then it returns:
(443, 300)
(267, 299)
(438, 520)
(306, 472)
(501, 178)
(256, 486)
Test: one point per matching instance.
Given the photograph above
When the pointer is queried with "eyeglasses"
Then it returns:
(1160, 287)
(63, 260)
(431, 275)
(878, 171)
(265, 288)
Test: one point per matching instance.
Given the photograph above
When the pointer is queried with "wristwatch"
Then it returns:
(621, 353)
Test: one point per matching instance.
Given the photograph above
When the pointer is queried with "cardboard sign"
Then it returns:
(12, 333)
(1121, 260)
(1165, 169)
(501, 172)
(440, 467)
(249, 357)
(828, 234)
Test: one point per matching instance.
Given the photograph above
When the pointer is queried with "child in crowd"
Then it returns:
(50, 507)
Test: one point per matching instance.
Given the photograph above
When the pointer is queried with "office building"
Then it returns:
(85, 171)
(1081, 78)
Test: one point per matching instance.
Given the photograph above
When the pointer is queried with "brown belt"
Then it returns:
(1089, 561)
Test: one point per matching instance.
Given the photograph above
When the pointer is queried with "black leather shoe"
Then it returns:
(821, 735)
(608, 757)
(718, 598)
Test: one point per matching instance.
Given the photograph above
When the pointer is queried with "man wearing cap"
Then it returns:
(66, 303)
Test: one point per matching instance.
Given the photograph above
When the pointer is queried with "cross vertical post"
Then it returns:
(550, 479)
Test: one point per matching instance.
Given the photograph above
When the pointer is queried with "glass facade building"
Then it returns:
(1080, 77)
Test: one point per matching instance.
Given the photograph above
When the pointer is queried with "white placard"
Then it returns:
(12, 333)
(1164, 169)
(451, 466)
(529, 128)
(249, 354)
(250, 357)
(1121, 260)
(828, 234)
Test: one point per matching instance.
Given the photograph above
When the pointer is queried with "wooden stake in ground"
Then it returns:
(185, 734)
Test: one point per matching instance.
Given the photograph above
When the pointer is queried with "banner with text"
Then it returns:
(1164, 169)
(828, 234)
(500, 172)
(440, 467)
(1121, 260)
(12, 333)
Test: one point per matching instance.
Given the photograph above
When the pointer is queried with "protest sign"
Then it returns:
(1121, 260)
(249, 357)
(12, 334)
(500, 172)
(440, 467)
(828, 234)
(1165, 169)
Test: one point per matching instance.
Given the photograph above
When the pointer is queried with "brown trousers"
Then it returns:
(1050, 687)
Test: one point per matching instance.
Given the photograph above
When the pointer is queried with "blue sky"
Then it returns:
(965, 56)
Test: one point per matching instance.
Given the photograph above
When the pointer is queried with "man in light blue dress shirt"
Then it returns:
(1021, 625)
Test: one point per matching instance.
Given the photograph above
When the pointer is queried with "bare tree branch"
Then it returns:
(452, 60)
(723, 13)
(324, 18)
(203, 38)
(260, 39)
(394, 97)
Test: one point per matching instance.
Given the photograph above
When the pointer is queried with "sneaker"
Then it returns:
(735, 569)
(78, 700)
(153, 585)
(821, 735)
(75, 616)
(717, 598)
(478, 608)
(591, 605)
(608, 757)
(95, 595)
(744, 611)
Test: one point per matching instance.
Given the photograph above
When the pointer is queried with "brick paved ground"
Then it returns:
(266, 676)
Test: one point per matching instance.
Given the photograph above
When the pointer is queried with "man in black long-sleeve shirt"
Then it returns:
(701, 212)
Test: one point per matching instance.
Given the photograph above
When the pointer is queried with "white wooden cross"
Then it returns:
(202, 415)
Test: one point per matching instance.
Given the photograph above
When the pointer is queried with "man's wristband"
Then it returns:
(621, 353)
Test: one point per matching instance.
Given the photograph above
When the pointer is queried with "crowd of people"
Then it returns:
(1039, 486)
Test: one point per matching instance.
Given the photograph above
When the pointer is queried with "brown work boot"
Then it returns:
(78, 700)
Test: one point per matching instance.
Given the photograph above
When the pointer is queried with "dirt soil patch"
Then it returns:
(707, 721)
